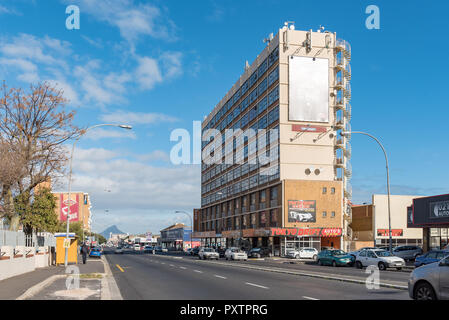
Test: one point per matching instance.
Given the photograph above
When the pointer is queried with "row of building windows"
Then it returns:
(257, 74)
(261, 219)
(249, 116)
(264, 176)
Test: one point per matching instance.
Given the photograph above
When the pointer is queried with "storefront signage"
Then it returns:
(204, 234)
(439, 210)
(306, 128)
(231, 234)
(386, 233)
(249, 233)
(301, 211)
(306, 232)
(64, 208)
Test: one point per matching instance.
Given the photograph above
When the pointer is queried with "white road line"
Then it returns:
(198, 271)
(183, 268)
(256, 285)
(221, 277)
(310, 298)
(162, 262)
(171, 265)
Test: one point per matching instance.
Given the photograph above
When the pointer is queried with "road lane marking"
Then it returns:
(171, 265)
(198, 271)
(162, 262)
(183, 268)
(120, 268)
(310, 298)
(221, 277)
(256, 285)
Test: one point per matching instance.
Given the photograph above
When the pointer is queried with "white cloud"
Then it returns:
(133, 20)
(152, 192)
(171, 63)
(136, 117)
(147, 73)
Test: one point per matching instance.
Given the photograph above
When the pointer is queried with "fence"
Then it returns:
(18, 238)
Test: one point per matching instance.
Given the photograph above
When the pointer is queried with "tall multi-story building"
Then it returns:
(280, 178)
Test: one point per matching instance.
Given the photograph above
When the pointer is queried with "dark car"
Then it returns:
(430, 257)
(335, 258)
(259, 252)
(195, 251)
(221, 252)
(407, 252)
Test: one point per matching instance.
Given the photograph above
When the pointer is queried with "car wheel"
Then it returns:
(314, 257)
(334, 263)
(320, 263)
(424, 291)
(359, 265)
(297, 256)
(382, 266)
(399, 269)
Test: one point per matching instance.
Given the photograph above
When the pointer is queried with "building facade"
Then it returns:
(177, 238)
(275, 169)
(370, 225)
(430, 215)
(80, 208)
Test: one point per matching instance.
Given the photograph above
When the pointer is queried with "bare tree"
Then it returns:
(34, 126)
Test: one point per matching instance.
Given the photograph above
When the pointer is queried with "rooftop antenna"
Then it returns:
(246, 65)
(320, 29)
(268, 40)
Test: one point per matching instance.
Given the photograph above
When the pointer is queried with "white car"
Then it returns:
(235, 254)
(119, 250)
(208, 253)
(137, 247)
(381, 258)
(303, 253)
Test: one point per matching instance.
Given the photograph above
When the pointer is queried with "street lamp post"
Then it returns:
(191, 224)
(344, 133)
(70, 178)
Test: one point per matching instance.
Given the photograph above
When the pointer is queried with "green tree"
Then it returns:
(75, 227)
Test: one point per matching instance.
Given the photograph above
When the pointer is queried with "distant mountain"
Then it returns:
(112, 229)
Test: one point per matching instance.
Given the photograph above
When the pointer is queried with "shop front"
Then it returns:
(285, 239)
(432, 215)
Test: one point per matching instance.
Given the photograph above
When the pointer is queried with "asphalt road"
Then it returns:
(165, 277)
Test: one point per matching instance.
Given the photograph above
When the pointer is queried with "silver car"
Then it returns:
(430, 282)
(407, 252)
(208, 253)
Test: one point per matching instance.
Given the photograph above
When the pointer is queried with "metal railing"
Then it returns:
(19, 238)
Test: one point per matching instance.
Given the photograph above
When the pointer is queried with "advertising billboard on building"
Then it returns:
(428, 211)
(308, 89)
(301, 211)
(64, 208)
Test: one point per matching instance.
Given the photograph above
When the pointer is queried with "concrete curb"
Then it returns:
(111, 290)
(40, 286)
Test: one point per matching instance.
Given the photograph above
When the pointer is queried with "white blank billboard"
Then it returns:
(308, 89)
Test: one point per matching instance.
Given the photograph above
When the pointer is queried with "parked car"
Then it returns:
(118, 250)
(235, 254)
(188, 251)
(259, 252)
(355, 253)
(408, 252)
(430, 257)
(137, 248)
(208, 253)
(430, 282)
(148, 249)
(381, 258)
(195, 251)
(335, 258)
(221, 252)
(303, 253)
(95, 252)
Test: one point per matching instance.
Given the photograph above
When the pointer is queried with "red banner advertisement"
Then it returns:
(64, 208)
(386, 233)
(310, 232)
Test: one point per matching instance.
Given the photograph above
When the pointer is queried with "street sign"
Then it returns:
(66, 244)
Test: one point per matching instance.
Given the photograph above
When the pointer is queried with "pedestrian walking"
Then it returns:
(84, 251)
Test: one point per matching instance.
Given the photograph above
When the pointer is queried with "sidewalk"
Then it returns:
(44, 282)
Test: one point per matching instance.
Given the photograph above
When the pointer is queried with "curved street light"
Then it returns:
(123, 126)
(191, 224)
(347, 133)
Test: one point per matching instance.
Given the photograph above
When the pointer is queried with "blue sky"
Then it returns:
(159, 65)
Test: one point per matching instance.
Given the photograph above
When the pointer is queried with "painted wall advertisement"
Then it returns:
(439, 210)
(64, 208)
(301, 210)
